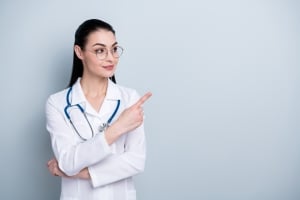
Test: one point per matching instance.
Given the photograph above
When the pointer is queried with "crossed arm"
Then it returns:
(55, 171)
(129, 119)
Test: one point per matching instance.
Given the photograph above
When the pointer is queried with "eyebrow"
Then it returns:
(100, 44)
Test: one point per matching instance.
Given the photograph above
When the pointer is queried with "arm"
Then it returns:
(55, 171)
(114, 167)
(71, 153)
(132, 161)
(130, 118)
(120, 166)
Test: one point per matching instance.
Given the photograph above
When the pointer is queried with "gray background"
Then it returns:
(223, 123)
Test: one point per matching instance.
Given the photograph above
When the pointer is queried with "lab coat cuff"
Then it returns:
(92, 172)
(98, 174)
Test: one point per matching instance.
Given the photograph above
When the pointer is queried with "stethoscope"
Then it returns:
(101, 128)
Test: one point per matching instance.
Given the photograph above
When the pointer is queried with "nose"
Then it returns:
(110, 56)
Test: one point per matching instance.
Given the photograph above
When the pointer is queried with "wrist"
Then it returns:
(83, 174)
(112, 133)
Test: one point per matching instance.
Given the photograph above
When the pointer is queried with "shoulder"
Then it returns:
(57, 99)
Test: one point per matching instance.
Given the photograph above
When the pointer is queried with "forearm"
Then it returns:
(122, 164)
(74, 158)
(113, 133)
(116, 168)
(130, 119)
(56, 171)
(72, 154)
(83, 174)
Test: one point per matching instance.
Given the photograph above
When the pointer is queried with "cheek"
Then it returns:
(90, 60)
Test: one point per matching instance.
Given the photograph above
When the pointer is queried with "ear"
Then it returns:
(78, 52)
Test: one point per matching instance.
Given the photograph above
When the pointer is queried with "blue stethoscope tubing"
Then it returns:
(69, 105)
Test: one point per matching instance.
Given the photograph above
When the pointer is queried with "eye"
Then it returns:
(115, 49)
(100, 51)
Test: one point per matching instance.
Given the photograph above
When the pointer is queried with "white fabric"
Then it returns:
(111, 167)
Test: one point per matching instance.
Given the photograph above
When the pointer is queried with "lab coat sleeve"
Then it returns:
(72, 156)
(120, 166)
(123, 165)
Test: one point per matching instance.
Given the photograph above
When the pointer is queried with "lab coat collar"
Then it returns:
(112, 93)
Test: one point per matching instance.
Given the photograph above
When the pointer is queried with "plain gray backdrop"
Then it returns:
(223, 122)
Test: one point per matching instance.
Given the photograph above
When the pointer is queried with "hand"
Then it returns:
(54, 169)
(129, 119)
(133, 116)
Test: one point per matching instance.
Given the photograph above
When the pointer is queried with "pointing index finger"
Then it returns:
(143, 99)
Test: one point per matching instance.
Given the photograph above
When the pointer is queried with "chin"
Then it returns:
(107, 75)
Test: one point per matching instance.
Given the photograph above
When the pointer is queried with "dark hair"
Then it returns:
(81, 35)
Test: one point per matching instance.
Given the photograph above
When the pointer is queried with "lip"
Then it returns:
(109, 67)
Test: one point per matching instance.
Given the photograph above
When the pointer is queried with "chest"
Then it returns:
(95, 102)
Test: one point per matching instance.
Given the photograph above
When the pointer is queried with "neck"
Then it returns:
(94, 87)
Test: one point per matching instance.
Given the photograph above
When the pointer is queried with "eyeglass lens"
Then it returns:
(115, 51)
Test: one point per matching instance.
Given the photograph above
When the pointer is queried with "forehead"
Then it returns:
(101, 36)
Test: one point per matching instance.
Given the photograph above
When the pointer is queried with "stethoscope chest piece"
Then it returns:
(103, 127)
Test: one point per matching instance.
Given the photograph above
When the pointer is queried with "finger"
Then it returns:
(55, 171)
(143, 99)
(50, 162)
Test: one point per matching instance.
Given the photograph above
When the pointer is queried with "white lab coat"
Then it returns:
(111, 167)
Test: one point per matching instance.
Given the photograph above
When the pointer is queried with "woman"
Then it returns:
(96, 126)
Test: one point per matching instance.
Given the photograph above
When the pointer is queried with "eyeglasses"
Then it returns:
(102, 53)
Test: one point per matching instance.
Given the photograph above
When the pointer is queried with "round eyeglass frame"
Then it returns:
(116, 54)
